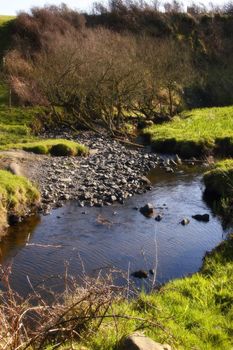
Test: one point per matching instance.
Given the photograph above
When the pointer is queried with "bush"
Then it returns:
(62, 149)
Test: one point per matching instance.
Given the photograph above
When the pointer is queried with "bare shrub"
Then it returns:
(93, 76)
(34, 31)
(35, 322)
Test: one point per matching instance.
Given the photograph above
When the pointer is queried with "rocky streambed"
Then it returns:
(111, 173)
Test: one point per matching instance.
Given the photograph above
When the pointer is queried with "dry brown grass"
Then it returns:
(45, 317)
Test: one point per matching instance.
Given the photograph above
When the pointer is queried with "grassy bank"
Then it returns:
(191, 313)
(16, 133)
(195, 133)
(17, 196)
(4, 19)
(219, 188)
(219, 180)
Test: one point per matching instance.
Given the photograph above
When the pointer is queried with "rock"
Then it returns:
(152, 272)
(138, 341)
(14, 168)
(113, 198)
(203, 218)
(135, 208)
(140, 274)
(172, 162)
(185, 222)
(158, 218)
(147, 210)
(177, 159)
(14, 219)
(145, 180)
(169, 170)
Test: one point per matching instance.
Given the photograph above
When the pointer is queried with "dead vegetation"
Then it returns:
(33, 322)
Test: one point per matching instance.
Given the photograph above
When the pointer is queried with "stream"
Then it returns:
(117, 236)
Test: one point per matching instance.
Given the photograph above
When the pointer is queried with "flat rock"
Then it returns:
(138, 341)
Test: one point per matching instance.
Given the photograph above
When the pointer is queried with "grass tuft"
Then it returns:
(55, 147)
(219, 180)
(17, 196)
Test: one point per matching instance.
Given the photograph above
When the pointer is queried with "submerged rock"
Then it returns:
(169, 170)
(203, 218)
(140, 274)
(177, 159)
(158, 218)
(14, 219)
(185, 221)
(147, 210)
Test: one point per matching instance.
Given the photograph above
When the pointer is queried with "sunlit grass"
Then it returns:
(17, 195)
(15, 133)
(4, 19)
(191, 313)
(194, 133)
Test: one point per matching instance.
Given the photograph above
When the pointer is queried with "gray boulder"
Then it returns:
(140, 274)
(139, 341)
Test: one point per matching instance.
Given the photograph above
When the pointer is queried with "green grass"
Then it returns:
(219, 180)
(17, 194)
(55, 147)
(15, 133)
(15, 125)
(195, 133)
(196, 312)
(219, 189)
(3, 94)
(5, 33)
(5, 19)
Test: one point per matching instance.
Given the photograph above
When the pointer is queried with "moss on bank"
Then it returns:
(219, 180)
(17, 196)
(195, 133)
(219, 189)
(55, 147)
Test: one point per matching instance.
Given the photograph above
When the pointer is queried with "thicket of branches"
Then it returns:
(95, 75)
(125, 59)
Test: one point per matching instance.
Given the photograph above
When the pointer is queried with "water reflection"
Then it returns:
(17, 237)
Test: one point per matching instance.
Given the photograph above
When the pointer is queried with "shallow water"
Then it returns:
(117, 236)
